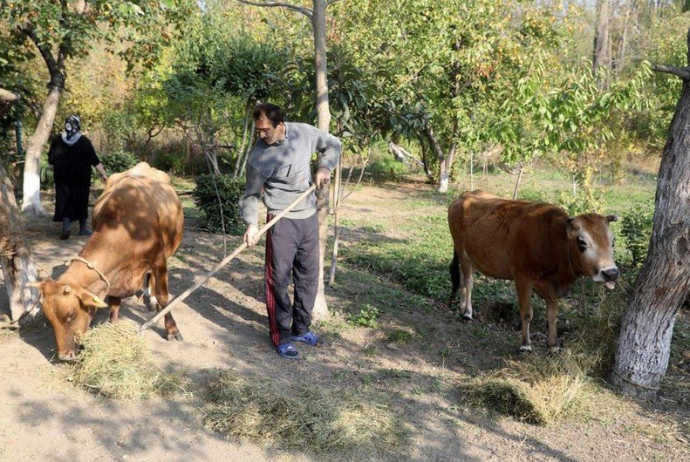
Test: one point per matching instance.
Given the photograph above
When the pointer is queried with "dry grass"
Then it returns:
(538, 390)
(115, 363)
(310, 419)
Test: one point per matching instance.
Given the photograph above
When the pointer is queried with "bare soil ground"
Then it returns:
(43, 417)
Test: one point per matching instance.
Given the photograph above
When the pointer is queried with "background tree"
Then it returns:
(62, 29)
(317, 17)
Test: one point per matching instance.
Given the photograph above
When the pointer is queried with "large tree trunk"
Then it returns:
(15, 257)
(324, 120)
(31, 202)
(662, 285)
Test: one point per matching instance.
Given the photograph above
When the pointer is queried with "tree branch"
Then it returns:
(682, 72)
(47, 55)
(299, 9)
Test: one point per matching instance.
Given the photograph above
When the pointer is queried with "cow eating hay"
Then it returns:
(137, 224)
(534, 244)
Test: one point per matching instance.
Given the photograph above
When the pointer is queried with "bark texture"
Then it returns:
(15, 257)
(663, 283)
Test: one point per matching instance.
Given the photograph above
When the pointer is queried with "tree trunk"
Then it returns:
(245, 130)
(31, 202)
(336, 222)
(645, 339)
(517, 181)
(324, 120)
(15, 257)
(601, 57)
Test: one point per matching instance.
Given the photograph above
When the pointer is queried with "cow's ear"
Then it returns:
(611, 218)
(90, 300)
(573, 227)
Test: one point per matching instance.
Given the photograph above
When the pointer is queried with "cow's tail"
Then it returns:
(455, 277)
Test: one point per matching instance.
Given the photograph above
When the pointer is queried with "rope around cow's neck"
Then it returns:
(93, 267)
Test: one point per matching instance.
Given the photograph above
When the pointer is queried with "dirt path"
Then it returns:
(42, 417)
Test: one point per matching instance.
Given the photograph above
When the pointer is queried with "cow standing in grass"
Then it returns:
(534, 244)
(137, 225)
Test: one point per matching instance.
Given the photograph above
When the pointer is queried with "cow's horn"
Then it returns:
(34, 285)
(66, 289)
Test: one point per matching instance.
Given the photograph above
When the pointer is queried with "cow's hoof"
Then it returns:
(525, 349)
(69, 357)
(151, 303)
(554, 350)
(175, 337)
(466, 317)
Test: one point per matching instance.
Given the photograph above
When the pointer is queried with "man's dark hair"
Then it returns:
(271, 111)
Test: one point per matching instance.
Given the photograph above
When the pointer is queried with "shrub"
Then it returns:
(173, 162)
(119, 161)
(387, 167)
(206, 198)
(636, 229)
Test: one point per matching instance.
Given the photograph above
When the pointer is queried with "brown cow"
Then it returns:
(534, 244)
(137, 225)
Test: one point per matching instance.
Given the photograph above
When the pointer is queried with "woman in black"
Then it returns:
(72, 156)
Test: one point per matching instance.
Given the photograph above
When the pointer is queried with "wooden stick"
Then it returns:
(224, 262)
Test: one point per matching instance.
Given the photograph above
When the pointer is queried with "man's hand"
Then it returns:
(323, 177)
(251, 236)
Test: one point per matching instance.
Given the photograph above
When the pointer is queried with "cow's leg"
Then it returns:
(524, 293)
(150, 301)
(551, 321)
(114, 303)
(160, 277)
(467, 282)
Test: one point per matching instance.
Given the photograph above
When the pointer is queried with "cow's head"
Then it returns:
(591, 247)
(70, 309)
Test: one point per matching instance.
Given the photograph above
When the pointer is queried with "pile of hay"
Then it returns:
(115, 363)
(537, 390)
(310, 419)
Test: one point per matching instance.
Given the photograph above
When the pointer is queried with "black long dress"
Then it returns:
(72, 172)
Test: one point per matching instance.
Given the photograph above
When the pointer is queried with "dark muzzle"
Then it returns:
(610, 274)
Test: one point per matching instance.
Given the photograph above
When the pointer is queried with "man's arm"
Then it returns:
(249, 204)
(329, 148)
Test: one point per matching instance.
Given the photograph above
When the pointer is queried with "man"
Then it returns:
(72, 156)
(280, 166)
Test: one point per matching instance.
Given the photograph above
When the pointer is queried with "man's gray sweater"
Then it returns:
(283, 171)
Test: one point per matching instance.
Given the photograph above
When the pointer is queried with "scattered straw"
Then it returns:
(309, 419)
(538, 390)
(115, 362)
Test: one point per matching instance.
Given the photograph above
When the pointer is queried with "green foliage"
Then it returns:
(173, 162)
(636, 229)
(119, 127)
(118, 161)
(386, 167)
(366, 317)
(207, 200)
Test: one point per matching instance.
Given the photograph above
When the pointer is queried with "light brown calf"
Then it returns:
(534, 244)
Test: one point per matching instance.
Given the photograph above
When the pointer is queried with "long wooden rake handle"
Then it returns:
(224, 262)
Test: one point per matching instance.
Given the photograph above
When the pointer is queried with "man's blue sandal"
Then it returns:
(310, 338)
(288, 351)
